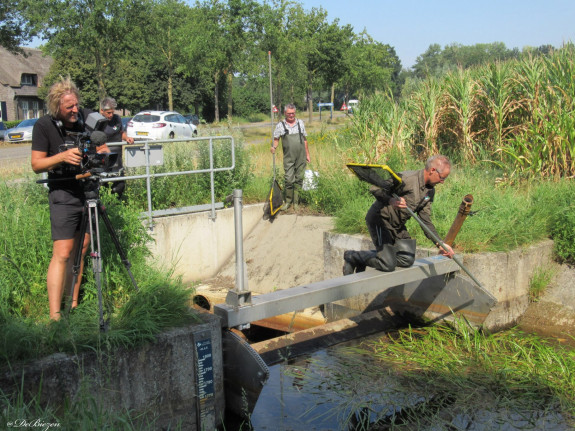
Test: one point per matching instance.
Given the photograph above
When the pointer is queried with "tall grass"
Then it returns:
(26, 249)
(518, 115)
(512, 367)
(447, 376)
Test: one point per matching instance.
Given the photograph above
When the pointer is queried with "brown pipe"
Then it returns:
(462, 214)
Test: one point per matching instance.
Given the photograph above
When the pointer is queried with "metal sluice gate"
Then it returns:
(431, 285)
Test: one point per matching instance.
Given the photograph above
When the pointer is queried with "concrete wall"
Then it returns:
(157, 380)
(506, 275)
(197, 246)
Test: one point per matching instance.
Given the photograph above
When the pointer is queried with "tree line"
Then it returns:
(211, 57)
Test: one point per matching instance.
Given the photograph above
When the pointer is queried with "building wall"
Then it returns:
(17, 101)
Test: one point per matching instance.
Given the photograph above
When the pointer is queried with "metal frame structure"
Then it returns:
(147, 147)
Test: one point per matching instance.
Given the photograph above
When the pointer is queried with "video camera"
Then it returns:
(87, 143)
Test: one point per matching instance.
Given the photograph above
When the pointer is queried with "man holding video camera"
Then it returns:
(53, 151)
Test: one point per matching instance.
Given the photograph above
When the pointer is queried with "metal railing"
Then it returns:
(153, 156)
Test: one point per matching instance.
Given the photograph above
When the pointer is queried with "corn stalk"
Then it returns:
(464, 107)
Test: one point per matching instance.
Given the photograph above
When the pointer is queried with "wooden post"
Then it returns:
(462, 214)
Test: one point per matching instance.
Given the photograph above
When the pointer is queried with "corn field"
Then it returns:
(518, 115)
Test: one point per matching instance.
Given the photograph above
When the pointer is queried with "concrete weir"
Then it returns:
(176, 381)
(189, 376)
(505, 275)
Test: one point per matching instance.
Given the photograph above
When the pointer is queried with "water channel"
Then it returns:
(345, 388)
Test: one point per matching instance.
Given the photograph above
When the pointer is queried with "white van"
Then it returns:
(351, 105)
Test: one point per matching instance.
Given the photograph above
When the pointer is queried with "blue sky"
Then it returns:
(410, 26)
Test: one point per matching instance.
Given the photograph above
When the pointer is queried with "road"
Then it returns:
(14, 154)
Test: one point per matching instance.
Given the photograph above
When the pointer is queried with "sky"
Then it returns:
(410, 26)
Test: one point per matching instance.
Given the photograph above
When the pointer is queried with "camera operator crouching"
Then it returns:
(54, 150)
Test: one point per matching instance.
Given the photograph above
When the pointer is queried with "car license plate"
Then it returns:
(142, 133)
(17, 136)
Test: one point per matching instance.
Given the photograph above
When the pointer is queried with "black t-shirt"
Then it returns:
(50, 136)
(113, 129)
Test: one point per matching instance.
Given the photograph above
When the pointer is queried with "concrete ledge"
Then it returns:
(196, 246)
(158, 380)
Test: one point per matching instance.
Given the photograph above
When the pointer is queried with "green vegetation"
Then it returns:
(506, 126)
(85, 413)
(25, 254)
(442, 377)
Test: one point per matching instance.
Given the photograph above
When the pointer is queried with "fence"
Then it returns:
(148, 154)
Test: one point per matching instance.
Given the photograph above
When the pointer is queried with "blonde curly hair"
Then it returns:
(58, 90)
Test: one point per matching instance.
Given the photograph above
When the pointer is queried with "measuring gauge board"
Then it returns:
(205, 381)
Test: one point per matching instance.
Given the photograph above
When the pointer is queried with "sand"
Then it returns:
(282, 254)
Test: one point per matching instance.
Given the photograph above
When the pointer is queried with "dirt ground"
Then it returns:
(282, 254)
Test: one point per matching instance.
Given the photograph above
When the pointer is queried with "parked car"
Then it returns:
(22, 132)
(125, 121)
(2, 130)
(160, 125)
(352, 105)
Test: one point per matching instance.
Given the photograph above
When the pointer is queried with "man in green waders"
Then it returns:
(296, 154)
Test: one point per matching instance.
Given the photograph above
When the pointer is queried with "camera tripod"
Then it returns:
(93, 209)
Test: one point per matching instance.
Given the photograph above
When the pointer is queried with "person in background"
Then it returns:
(115, 133)
(295, 154)
(387, 217)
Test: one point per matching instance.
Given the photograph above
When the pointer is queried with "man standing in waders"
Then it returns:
(296, 154)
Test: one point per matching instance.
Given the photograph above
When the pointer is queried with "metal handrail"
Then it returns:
(148, 175)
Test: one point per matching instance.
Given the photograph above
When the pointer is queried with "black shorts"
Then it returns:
(65, 214)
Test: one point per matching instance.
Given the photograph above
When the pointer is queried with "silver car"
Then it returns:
(21, 133)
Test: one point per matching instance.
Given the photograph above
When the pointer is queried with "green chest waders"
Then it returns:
(295, 158)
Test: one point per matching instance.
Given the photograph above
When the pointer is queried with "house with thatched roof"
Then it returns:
(20, 78)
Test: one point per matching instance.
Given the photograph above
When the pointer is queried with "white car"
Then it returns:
(160, 125)
(21, 133)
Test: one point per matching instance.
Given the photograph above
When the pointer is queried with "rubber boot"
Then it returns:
(352, 262)
(405, 252)
(384, 260)
(295, 199)
(288, 200)
(356, 261)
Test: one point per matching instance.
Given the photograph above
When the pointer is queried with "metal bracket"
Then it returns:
(236, 298)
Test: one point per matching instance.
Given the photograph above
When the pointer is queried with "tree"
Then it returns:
(283, 26)
(202, 56)
(334, 43)
(166, 39)
(14, 28)
(95, 32)
(429, 62)
(372, 66)
(315, 25)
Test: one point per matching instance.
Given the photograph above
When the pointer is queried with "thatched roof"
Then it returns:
(12, 66)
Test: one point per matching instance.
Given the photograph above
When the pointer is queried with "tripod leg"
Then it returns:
(78, 256)
(115, 239)
(96, 256)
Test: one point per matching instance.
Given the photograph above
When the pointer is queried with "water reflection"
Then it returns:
(343, 388)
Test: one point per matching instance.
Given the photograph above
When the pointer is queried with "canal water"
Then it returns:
(343, 388)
